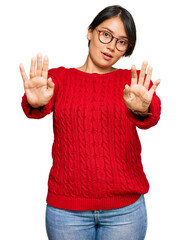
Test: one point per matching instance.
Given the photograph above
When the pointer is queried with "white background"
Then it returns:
(58, 29)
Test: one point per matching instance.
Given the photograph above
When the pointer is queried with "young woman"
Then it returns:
(96, 184)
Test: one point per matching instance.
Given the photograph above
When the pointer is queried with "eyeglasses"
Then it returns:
(122, 44)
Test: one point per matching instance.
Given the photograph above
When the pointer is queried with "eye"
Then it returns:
(106, 34)
(123, 42)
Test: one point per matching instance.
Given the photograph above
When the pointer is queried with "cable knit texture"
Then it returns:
(96, 150)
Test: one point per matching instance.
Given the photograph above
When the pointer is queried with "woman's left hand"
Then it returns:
(137, 97)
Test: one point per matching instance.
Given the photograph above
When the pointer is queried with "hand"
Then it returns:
(39, 90)
(137, 97)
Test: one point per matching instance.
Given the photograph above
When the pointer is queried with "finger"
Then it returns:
(148, 78)
(142, 73)
(32, 67)
(45, 68)
(39, 65)
(126, 90)
(23, 73)
(154, 87)
(133, 75)
(51, 83)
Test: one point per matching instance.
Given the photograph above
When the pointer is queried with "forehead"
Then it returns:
(115, 25)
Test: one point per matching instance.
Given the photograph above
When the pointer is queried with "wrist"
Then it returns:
(145, 113)
(36, 105)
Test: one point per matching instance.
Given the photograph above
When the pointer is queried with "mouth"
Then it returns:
(107, 56)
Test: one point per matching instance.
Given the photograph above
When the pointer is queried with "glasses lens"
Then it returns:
(122, 44)
(105, 37)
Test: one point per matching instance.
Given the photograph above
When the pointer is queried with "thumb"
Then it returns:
(50, 83)
(154, 87)
(127, 89)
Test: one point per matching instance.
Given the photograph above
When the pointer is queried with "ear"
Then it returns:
(89, 34)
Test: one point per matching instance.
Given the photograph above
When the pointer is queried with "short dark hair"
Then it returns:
(126, 17)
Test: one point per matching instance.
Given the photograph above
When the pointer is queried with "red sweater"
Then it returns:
(96, 150)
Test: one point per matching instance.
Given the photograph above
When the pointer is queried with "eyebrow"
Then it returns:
(113, 32)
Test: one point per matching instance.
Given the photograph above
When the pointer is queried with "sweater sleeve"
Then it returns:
(38, 113)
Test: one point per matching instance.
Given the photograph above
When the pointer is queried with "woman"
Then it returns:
(96, 184)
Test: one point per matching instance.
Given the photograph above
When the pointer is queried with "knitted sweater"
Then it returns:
(96, 150)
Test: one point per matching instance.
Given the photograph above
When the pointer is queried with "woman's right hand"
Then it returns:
(39, 90)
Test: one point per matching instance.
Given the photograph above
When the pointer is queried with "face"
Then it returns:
(106, 55)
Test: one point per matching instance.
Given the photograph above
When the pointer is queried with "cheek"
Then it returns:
(95, 48)
(118, 56)
(95, 45)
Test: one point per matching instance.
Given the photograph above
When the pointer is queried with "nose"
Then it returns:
(112, 44)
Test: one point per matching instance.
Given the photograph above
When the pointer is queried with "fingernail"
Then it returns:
(39, 54)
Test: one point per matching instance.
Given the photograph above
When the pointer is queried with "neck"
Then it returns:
(90, 67)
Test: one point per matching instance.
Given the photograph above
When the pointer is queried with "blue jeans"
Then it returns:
(127, 223)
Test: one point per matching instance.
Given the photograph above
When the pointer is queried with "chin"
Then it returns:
(106, 65)
(102, 63)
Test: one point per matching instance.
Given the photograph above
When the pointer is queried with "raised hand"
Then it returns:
(39, 90)
(137, 97)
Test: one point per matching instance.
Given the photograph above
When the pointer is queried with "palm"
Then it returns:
(38, 89)
(137, 97)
